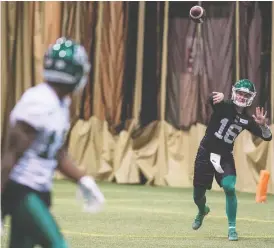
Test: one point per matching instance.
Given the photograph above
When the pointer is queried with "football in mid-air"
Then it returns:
(197, 14)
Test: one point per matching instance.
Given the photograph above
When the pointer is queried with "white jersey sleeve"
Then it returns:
(33, 110)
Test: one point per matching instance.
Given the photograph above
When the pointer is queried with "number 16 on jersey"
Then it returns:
(232, 132)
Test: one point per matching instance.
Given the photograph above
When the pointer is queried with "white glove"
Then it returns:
(93, 197)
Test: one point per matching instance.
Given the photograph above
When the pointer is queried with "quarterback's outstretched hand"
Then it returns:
(260, 116)
(217, 97)
(93, 197)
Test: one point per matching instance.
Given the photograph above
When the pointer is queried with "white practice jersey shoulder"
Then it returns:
(42, 109)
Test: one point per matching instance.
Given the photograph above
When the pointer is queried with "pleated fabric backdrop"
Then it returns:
(144, 112)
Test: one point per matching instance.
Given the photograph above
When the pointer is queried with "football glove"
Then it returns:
(91, 194)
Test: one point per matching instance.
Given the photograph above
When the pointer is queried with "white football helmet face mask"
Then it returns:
(241, 98)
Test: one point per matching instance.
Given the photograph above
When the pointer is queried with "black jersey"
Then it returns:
(225, 125)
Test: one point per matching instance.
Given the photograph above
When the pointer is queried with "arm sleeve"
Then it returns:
(263, 132)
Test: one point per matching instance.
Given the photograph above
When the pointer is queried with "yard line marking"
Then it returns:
(92, 234)
(163, 236)
(182, 213)
(156, 200)
(162, 211)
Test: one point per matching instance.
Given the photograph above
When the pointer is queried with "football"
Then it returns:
(197, 14)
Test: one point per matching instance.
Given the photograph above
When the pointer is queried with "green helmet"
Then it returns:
(243, 93)
(66, 62)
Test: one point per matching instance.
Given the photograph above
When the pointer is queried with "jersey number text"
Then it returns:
(232, 132)
(54, 142)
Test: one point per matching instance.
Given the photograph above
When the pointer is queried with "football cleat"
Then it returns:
(199, 219)
(232, 234)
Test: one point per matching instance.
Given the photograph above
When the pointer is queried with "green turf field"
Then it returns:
(150, 217)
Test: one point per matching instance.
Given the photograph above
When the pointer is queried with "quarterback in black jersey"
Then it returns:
(214, 156)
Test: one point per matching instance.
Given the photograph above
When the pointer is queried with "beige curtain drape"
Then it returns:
(18, 64)
(27, 29)
(110, 54)
(159, 154)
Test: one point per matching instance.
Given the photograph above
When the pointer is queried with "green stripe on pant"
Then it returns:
(32, 223)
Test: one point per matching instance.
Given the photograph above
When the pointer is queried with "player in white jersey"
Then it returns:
(35, 149)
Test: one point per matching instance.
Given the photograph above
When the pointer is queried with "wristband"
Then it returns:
(266, 133)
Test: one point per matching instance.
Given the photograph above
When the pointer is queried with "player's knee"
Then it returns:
(228, 184)
(197, 200)
(229, 188)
